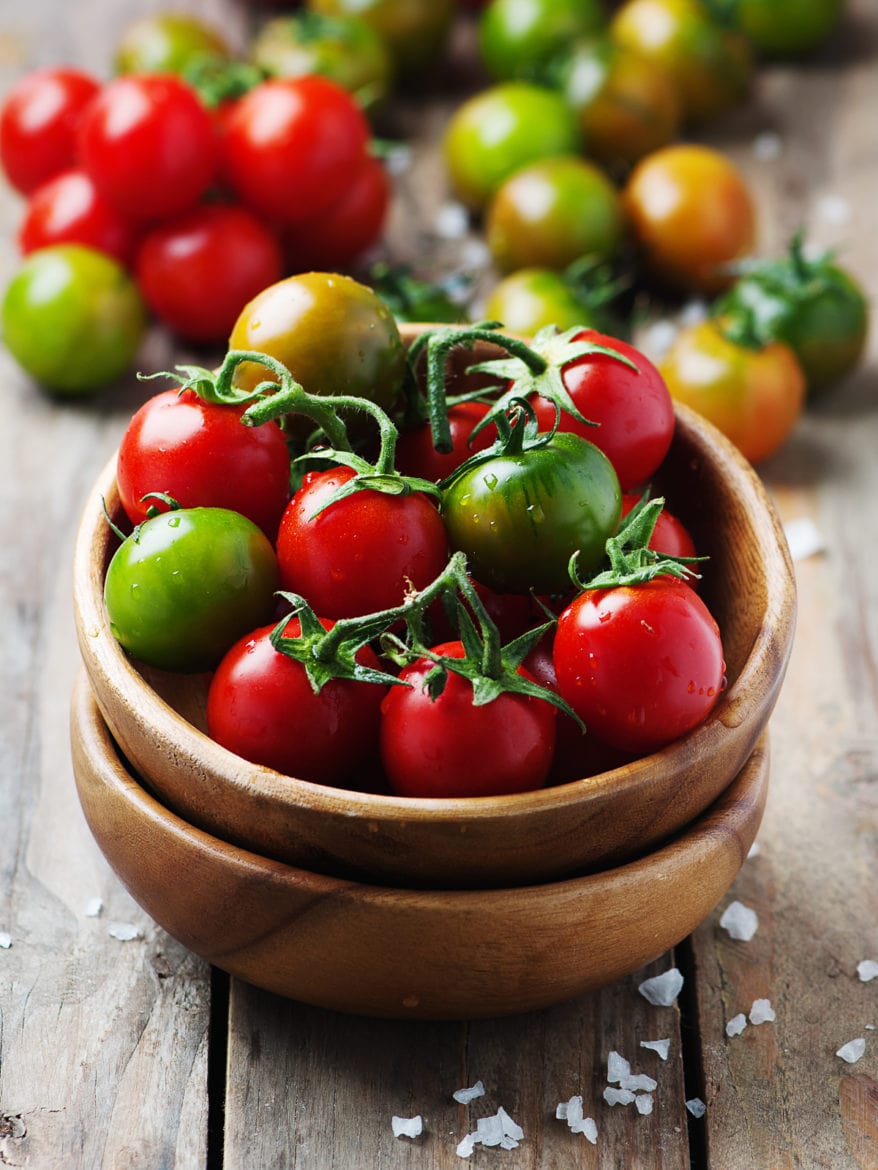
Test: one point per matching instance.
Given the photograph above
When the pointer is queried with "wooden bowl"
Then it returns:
(383, 951)
(158, 719)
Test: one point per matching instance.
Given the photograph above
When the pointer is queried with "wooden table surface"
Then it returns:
(134, 1054)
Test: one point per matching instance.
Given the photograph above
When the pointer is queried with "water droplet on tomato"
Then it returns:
(174, 522)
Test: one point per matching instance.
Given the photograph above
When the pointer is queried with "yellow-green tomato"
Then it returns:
(552, 212)
(532, 298)
(518, 37)
(187, 584)
(73, 318)
(787, 28)
(502, 129)
(415, 31)
(167, 42)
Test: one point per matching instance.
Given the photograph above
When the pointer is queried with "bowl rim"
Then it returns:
(106, 655)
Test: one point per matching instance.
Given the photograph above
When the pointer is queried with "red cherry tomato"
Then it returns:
(199, 270)
(640, 665)
(333, 237)
(149, 145)
(293, 145)
(39, 123)
(362, 553)
(416, 455)
(203, 456)
(632, 407)
(449, 747)
(670, 536)
(69, 210)
(261, 706)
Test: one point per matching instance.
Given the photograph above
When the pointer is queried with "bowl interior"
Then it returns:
(158, 720)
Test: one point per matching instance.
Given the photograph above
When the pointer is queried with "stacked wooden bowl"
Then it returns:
(440, 908)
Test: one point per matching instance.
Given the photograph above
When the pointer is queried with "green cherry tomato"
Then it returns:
(345, 49)
(787, 28)
(167, 42)
(711, 63)
(187, 584)
(334, 335)
(72, 318)
(519, 517)
(501, 129)
(532, 298)
(550, 213)
(518, 37)
(415, 31)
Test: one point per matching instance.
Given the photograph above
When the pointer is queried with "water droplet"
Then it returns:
(604, 615)
(691, 688)
(174, 522)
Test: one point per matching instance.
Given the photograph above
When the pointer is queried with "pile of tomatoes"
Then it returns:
(418, 606)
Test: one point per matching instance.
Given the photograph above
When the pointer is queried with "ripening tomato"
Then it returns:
(261, 706)
(528, 300)
(753, 395)
(167, 42)
(39, 125)
(198, 270)
(787, 28)
(416, 455)
(359, 554)
(201, 455)
(415, 31)
(641, 665)
(70, 210)
(149, 145)
(631, 406)
(448, 747)
(518, 38)
(692, 214)
(292, 145)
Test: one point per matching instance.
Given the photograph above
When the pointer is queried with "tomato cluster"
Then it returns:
(417, 615)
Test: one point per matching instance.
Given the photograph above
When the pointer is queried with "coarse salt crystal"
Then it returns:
(639, 1082)
(867, 970)
(662, 990)
(804, 538)
(588, 1128)
(754, 850)
(94, 908)
(696, 1107)
(618, 1096)
(736, 1025)
(643, 1103)
(740, 921)
(762, 1012)
(571, 1111)
(852, 1051)
(870, 1027)
(617, 1067)
(124, 931)
(410, 1127)
(5, 940)
(511, 1128)
(464, 1096)
(767, 146)
(662, 1047)
(466, 1145)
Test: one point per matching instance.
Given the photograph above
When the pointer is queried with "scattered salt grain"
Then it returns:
(618, 1096)
(617, 1068)
(94, 908)
(643, 1103)
(754, 850)
(571, 1112)
(740, 921)
(452, 221)
(466, 1146)
(762, 1012)
(867, 970)
(696, 1107)
(588, 1128)
(736, 1025)
(464, 1096)
(804, 538)
(852, 1051)
(640, 1082)
(662, 990)
(499, 1130)
(870, 1027)
(5, 940)
(124, 931)
(410, 1127)
(662, 1047)
(833, 209)
(767, 146)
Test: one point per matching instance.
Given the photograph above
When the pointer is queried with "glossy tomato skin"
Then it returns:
(201, 455)
(415, 31)
(261, 706)
(69, 209)
(166, 42)
(518, 38)
(198, 270)
(187, 584)
(640, 665)
(689, 241)
(670, 536)
(39, 124)
(520, 517)
(149, 145)
(754, 396)
(551, 213)
(72, 318)
(416, 455)
(333, 334)
(632, 407)
(361, 554)
(292, 145)
(532, 298)
(448, 747)
(491, 135)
